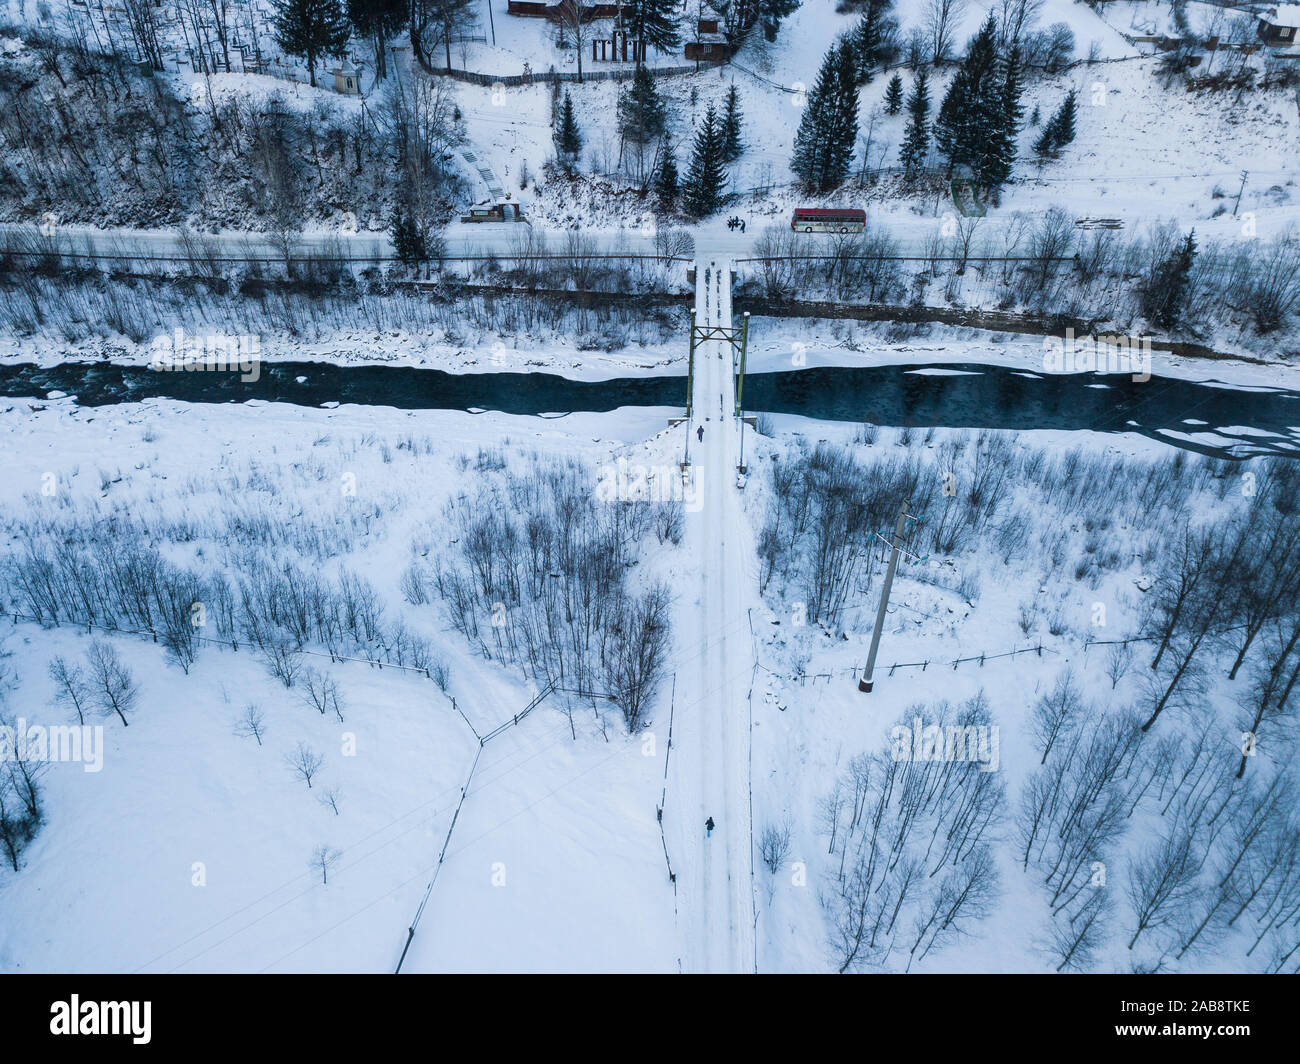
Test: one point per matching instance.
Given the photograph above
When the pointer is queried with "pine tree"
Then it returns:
(408, 241)
(894, 95)
(964, 122)
(980, 114)
(706, 180)
(1064, 119)
(733, 145)
(641, 119)
(1000, 157)
(1059, 130)
(666, 182)
(641, 110)
(916, 141)
(653, 21)
(873, 34)
(828, 130)
(771, 12)
(310, 29)
(1166, 289)
(568, 138)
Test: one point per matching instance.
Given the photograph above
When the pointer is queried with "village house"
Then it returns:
(710, 44)
(1281, 26)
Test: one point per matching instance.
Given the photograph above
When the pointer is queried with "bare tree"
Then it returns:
(304, 762)
(941, 20)
(1162, 880)
(1056, 713)
(321, 692)
(71, 688)
(1119, 658)
(114, 686)
(324, 858)
(283, 659)
(251, 725)
(774, 846)
(330, 799)
(1078, 939)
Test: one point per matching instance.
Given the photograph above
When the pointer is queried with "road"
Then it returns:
(709, 769)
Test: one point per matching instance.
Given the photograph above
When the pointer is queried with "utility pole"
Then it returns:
(865, 683)
(1239, 192)
(690, 370)
(740, 380)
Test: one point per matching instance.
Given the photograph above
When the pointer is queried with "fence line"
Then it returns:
(547, 77)
(464, 793)
(663, 796)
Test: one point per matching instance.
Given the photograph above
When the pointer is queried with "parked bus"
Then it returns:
(828, 220)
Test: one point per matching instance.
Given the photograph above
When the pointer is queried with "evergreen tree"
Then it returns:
(1166, 289)
(916, 141)
(1064, 119)
(666, 182)
(980, 114)
(408, 240)
(706, 180)
(873, 37)
(310, 29)
(1000, 156)
(641, 110)
(823, 146)
(733, 146)
(1059, 130)
(653, 21)
(568, 138)
(894, 95)
(963, 125)
(771, 12)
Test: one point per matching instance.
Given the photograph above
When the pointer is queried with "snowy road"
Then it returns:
(710, 770)
(911, 236)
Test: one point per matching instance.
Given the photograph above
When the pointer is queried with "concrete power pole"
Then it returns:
(865, 683)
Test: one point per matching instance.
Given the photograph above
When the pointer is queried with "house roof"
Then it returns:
(1285, 15)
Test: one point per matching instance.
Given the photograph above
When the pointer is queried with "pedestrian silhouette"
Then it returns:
(708, 826)
(700, 433)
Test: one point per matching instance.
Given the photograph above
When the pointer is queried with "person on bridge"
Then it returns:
(700, 433)
(708, 827)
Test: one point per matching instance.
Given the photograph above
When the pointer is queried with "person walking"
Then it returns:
(708, 827)
(699, 433)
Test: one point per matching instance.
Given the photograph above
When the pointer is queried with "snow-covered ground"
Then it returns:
(196, 847)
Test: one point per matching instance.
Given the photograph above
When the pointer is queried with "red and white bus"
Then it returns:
(828, 220)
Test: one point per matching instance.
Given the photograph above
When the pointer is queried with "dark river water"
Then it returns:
(1259, 421)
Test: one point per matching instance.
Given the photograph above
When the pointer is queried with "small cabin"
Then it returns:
(497, 212)
(347, 80)
(1281, 26)
(710, 44)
